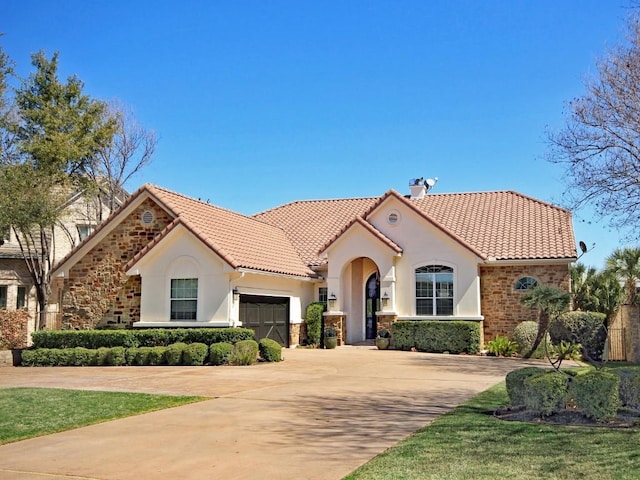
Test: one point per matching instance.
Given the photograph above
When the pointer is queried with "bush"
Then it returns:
(13, 328)
(173, 354)
(629, 390)
(447, 336)
(82, 357)
(404, 335)
(502, 347)
(545, 394)
(596, 394)
(100, 356)
(195, 354)
(515, 383)
(219, 353)
(137, 338)
(156, 355)
(245, 352)
(130, 355)
(314, 322)
(36, 358)
(585, 328)
(116, 356)
(270, 350)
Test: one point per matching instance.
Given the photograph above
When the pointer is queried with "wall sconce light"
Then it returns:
(385, 299)
(332, 300)
(236, 294)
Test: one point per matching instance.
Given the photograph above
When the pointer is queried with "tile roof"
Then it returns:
(504, 225)
(242, 241)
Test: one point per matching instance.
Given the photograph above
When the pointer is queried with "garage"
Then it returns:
(267, 316)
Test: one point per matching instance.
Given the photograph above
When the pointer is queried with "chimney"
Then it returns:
(418, 188)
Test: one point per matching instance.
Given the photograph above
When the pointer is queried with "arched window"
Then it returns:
(434, 290)
(525, 283)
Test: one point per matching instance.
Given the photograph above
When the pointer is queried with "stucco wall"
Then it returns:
(96, 289)
(501, 303)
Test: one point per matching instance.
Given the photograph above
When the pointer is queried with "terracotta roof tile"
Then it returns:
(244, 242)
(502, 225)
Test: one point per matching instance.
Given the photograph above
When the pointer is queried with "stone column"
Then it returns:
(337, 321)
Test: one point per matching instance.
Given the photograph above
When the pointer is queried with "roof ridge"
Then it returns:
(317, 200)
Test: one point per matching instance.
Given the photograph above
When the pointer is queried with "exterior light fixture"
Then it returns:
(236, 294)
(385, 299)
(332, 300)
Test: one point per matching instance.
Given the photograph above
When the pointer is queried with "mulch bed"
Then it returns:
(625, 418)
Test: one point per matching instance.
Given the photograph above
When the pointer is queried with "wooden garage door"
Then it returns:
(267, 316)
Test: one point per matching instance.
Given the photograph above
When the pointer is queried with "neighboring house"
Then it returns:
(82, 214)
(167, 260)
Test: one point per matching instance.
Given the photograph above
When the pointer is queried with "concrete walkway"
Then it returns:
(318, 415)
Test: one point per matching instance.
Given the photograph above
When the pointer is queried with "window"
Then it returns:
(322, 295)
(434, 290)
(84, 231)
(21, 300)
(525, 283)
(184, 298)
(3, 296)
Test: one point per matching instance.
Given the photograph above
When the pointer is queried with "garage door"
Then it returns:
(267, 316)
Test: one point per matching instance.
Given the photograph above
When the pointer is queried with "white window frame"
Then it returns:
(193, 313)
(448, 270)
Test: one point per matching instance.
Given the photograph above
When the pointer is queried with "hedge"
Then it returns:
(245, 352)
(437, 336)
(313, 321)
(596, 394)
(585, 328)
(546, 393)
(629, 389)
(156, 337)
(195, 354)
(515, 383)
(219, 353)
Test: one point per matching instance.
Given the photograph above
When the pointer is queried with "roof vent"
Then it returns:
(419, 186)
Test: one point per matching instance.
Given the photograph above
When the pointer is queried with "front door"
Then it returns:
(372, 305)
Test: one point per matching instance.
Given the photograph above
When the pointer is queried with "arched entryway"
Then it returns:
(361, 292)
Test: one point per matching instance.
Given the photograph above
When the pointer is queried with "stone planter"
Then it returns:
(330, 342)
(383, 343)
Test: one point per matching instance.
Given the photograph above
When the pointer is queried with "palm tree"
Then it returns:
(550, 302)
(624, 263)
(583, 279)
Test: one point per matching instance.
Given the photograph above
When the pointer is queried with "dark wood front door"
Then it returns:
(372, 305)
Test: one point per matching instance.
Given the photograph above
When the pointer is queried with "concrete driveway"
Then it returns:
(318, 415)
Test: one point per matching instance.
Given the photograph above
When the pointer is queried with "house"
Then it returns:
(82, 213)
(166, 260)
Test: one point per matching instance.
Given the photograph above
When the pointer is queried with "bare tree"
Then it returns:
(600, 142)
(130, 150)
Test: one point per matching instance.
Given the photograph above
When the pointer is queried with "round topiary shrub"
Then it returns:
(270, 350)
(629, 391)
(173, 354)
(219, 353)
(546, 393)
(116, 356)
(515, 383)
(195, 354)
(585, 328)
(524, 335)
(596, 394)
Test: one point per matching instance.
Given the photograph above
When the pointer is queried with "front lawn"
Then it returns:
(31, 412)
(469, 443)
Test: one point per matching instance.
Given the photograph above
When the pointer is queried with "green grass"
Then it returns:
(31, 412)
(469, 443)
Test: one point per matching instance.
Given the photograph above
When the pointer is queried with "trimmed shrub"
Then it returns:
(156, 355)
(153, 337)
(596, 394)
(116, 356)
(100, 356)
(314, 322)
(13, 328)
(546, 393)
(195, 354)
(130, 355)
(270, 350)
(82, 357)
(39, 357)
(524, 335)
(629, 390)
(245, 352)
(447, 336)
(83, 338)
(173, 353)
(404, 335)
(515, 383)
(585, 328)
(219, 353)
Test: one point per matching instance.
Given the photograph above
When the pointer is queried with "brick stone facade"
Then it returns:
(500, 302)
(339, 323)
(297, 333)
(97, 291)
(385, 321)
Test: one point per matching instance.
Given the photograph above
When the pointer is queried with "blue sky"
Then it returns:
(261, 103)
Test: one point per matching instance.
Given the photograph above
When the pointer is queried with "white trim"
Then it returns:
(445, 318)
(177, 323)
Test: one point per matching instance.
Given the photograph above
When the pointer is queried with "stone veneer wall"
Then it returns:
(338, 322)
(297, 333)
(385, 321)
(97, 291)
(500, 303)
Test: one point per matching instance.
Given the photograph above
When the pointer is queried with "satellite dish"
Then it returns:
(430, 182)
(583, 246)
